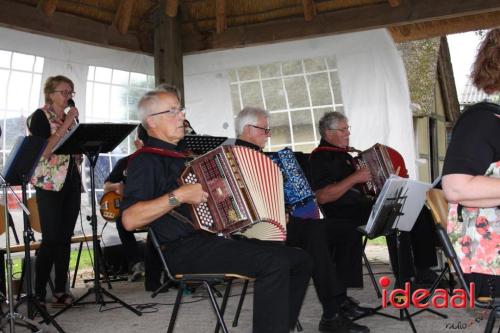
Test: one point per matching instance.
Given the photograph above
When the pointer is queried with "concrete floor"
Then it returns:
(196, 315)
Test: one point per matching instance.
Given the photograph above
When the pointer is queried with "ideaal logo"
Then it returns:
(400, 298)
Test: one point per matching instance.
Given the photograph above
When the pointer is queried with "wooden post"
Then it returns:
(220, 15)
(48, 6)
(123, 16)
(394, 3)
(168, 51)
(309, 9)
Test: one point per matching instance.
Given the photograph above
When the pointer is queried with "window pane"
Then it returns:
(331, 62)
(274, 94)
(305, 148)
(151, 81)
(120, 77)
(319, 112)
(39, 65)
(232, 76)
(251, 94)
(90, 75)
(314, 65)
(302, 126)
(134, 95)
(235, 98)
(248, 73)
(4, 78)
(292, 67)
(280, 128)
(88, 101)
(138, 80)
(297, 92)
(276, 148)
(337, 94)
(18, 96)
(15, 126)
(270, 70)
(320, 89)
(35, 92)
(103, 74)
(118, 105)
(22, 61)
(100, 105)
(5, 59)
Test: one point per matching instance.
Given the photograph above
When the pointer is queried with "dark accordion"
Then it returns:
(245, 193)
(378, 160)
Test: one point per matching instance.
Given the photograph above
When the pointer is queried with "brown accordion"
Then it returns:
(245, 193)
(378, 160)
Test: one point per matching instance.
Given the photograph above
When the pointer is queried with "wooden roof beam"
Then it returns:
(171, 7)
(394, 3)
(220, 15)
(123, 16)
(48, 7)
(379, 15)
(309, 9)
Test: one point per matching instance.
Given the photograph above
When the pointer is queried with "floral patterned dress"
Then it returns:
(476, 238)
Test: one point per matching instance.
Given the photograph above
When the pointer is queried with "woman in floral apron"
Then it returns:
(57, 183)
(471, 177)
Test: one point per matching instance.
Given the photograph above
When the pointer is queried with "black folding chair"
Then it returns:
(208, 281)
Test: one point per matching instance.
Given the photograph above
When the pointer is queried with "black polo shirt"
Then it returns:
(244, 143)
(150, 176)
(118, 174)
(328, 167)
(475, 142)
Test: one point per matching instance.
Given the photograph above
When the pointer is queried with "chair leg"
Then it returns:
(299, 326)
(370, 271)
(229, 283)
(240, 304)
(215, 306)
(175, 310)
(77, 265)
(491, 321)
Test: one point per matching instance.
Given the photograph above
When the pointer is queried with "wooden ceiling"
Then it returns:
(221, 24)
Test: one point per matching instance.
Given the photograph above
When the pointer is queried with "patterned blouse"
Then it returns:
(50, 173)
(477, 239)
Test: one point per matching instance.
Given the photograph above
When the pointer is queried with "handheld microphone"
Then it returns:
(71, 104)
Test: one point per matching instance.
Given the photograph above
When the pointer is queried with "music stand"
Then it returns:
(91, 140)
(201, 144)
(19, 168)
(396, 209)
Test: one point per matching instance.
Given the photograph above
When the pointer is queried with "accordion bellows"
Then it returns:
(245, 190)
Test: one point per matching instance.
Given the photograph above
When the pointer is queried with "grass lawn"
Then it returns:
(377, 241)
(85, 261)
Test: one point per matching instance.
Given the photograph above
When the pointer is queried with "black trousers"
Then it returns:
(129, 244)
(58, 214)
(417, 248)
(314, 237)
(282, 273)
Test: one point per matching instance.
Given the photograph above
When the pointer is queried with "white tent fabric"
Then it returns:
(373, 79)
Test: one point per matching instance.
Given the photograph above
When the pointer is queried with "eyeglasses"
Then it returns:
(66, 93)
(173, 112)
(266, 130)
(345, 129)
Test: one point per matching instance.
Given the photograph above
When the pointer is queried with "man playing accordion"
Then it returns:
(281, 274)
(315, 237)
(337, 186)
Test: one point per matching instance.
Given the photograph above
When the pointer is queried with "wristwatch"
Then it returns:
(172, 200)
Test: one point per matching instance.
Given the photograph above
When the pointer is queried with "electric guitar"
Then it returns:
(110, 206)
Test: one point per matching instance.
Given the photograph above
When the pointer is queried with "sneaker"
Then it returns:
(341, 324)
(137, 271)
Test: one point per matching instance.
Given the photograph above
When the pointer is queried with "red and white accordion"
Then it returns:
(245, 190)
(378, 160)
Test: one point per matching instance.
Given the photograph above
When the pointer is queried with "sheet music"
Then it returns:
(413, 190)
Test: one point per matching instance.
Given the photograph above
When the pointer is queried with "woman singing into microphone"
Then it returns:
(57, 183)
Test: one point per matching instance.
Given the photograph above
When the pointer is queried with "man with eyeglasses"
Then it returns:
(252, 129)
(336, 180)
(152, 191)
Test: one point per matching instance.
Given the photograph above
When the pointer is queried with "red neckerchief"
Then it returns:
(158, 151)
(335, 149)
